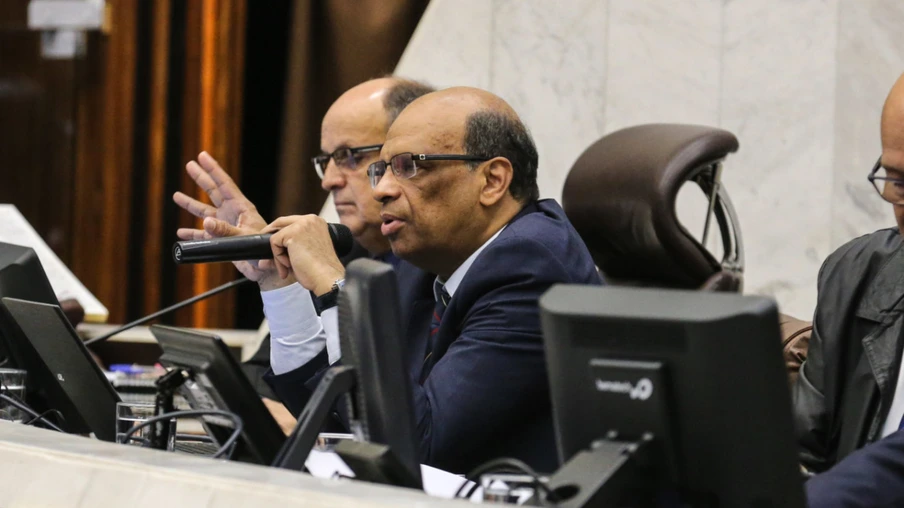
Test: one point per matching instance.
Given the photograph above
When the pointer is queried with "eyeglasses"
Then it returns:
(346, 158)
(403, 165)
(891, 189)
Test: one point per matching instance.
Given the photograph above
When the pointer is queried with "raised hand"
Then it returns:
(229, 204)
(231, 214)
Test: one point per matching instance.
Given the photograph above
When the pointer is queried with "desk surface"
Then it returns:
(44, 468)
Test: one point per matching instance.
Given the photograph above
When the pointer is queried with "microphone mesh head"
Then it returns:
(342, 239)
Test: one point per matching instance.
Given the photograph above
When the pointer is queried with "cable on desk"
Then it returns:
(227, 445)
(504, 465)
(31, 412)
(43, 416)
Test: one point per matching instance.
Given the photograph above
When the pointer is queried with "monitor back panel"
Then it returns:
(219, 383)
(58, 361)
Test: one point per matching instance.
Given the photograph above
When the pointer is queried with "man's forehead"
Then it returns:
(423, 130)
(352, 129)
(420, 139)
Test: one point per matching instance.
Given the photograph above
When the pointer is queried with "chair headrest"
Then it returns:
(620, 196)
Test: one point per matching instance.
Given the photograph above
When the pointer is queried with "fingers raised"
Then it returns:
(193, 206)
(221, 180)
(204, 181)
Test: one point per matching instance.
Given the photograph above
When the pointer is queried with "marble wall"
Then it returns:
(800, 82)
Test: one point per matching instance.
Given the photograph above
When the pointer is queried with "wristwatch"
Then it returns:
(329, 299)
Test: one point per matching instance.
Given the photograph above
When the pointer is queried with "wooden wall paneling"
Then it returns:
(36, 136)
(214, 49)
(104, 156)
(156, 250)
(188, 141)
(223, 130)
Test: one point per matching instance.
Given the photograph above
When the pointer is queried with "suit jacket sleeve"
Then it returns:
(295, 387)
(810, 414)
(493, 374)
(870, 477)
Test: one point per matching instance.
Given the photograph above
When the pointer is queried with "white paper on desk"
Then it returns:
(437, 482)
(16, 230)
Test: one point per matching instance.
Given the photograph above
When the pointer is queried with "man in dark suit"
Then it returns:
(352, 133)
(872, 477)
(850, 391)
(457, 185)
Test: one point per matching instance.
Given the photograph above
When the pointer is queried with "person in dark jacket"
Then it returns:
(850, 391)
(871, 477)
(457, 184)
(352, 133)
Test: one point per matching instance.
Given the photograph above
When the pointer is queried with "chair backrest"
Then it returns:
(621, 197)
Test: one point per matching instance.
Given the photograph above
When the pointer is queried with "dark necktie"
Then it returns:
(442, 300)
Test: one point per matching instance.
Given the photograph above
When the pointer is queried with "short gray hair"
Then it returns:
(493, 134)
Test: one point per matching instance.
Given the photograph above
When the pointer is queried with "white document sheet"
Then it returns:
(16, 230)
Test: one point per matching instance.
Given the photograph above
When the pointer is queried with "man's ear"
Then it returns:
(498, 173)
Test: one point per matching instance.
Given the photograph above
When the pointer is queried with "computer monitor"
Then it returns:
(61, 373)
(22, 277)
(216, 381)
(374, 373)
(700, 372)
(372, 341)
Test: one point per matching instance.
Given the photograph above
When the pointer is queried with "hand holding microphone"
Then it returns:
(305, 246)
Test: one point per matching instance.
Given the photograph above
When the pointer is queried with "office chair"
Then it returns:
(620, 195)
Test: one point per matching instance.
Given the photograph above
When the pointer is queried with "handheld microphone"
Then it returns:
(250, 247)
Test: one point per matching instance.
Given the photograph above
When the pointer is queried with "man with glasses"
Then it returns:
(850, 391)
(457, 185)
(352, 133)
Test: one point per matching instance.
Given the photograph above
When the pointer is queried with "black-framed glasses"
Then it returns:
(346, 158)
(891, 188)
(404, 165)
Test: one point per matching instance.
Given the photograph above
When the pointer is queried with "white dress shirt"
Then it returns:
(298, 334)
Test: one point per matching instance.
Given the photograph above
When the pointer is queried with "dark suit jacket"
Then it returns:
(846, 385)
(871, 477)
(483, 392)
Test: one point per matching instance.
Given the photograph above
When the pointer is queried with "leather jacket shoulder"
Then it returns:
(836, 396)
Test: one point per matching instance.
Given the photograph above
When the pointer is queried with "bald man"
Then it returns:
(352, 133)
(457, 187)
(850, 391)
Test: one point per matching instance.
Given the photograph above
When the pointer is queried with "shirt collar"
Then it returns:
(454, 280)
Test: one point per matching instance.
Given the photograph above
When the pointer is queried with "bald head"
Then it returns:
(358, 121)
(472, 168)
(475, 122)
(893, 127)
(358, 113)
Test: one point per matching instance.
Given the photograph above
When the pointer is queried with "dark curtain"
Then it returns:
(334, 45)
(92, 148)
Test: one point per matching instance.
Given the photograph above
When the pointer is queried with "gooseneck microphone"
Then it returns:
(245, 248)
(185, 303)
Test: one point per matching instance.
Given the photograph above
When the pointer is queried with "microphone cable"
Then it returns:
(227, 445)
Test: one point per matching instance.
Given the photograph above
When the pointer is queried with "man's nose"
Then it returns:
(333, 178)
(387, 188)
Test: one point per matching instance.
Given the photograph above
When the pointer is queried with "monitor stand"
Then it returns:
(369, 461)
(611, 473)
(336, 382)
